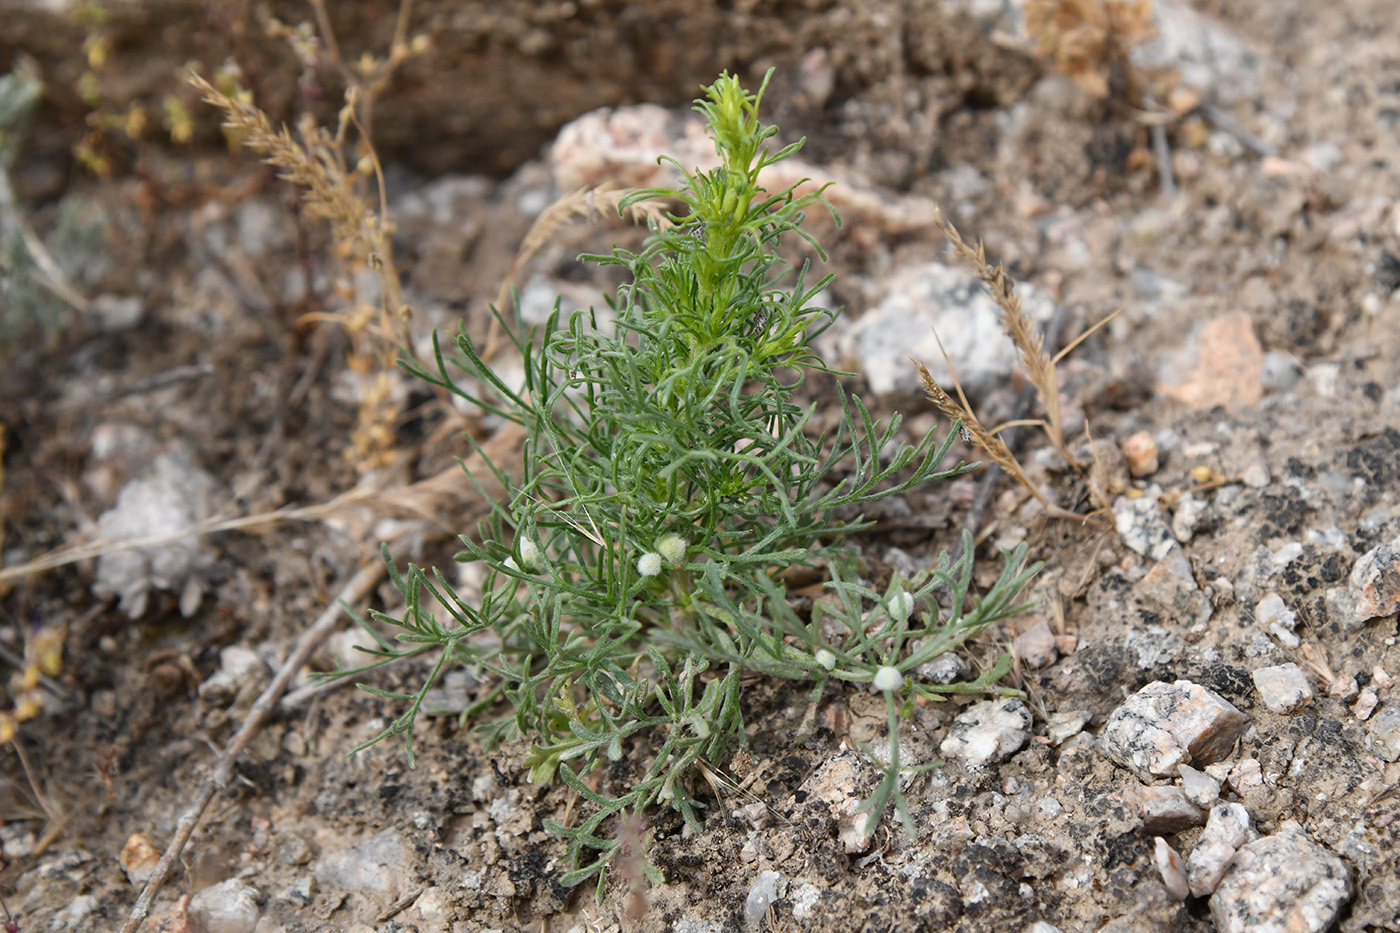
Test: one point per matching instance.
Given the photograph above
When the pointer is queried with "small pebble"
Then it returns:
(228, 907)
(1165, 725)
(1343, 688)
(1035, 647)
(945, 669)
(1062, 725)
(1272, 610)
(1227, 829)
(987, 732)
(1140, 450)
(139, 858)
(767, 888)
(1374, 584)
(1163, 808)
(1385, 732)
(1170, 868)
(1284, 689)
(1246, 774)
(1142, 525)
(1186, 518)
(1256, 474)
(1281, 882)
(1201, 789)
(1365, 704)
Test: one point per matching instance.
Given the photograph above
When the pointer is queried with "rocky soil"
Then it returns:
(1210, 729)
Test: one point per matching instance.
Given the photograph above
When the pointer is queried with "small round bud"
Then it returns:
(529, 554)
(649, 564)
(901, 604)
(888, 679)
(826, 659)
(672, 547)
(510, 564)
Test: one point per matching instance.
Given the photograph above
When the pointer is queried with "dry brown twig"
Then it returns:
(353, 592)
(438, 500)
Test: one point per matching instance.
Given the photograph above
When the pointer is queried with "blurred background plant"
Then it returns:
(39, 277)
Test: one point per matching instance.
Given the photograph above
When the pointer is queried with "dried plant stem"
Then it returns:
(989, 442)
(353, 592)
(1030, 343)
(436, 500)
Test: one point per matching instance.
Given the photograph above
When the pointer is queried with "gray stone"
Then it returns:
(262, 227)
(1187, 517)
(1284, 689)
(1169, 867)
(933, 297)
(1283, 883)
(239, 669)
(1374, 586)
(947, 668)
(1062, 725)
(1201, 789)
(228, 907)
(1255, 474)
(1035, 647)
(117, 312)
(1227, 828)
(988, 732)
(1280, 372)
(1203, 52)
(1165, 725)
(767, 888)
(1163, 808)
(377, 866)
(1246, 773)
(840, 784)
(1384, 732)
(175, 494)
(1142, 526)
(1273, 615)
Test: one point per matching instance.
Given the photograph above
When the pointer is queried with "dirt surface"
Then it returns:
(1257, 345)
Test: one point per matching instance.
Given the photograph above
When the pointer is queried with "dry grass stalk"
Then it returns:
(583, 203)
(994, 446)
(312, 165)
(1030, 343)
(317, 164)
(440, 500)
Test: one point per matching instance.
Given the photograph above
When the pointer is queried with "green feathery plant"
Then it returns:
(667, 477)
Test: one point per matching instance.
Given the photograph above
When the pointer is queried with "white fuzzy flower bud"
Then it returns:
(649, 564)
(888, 679)
(529, 554)
(672, 547)
(826, 659)
(901, 604)
(510, 564)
